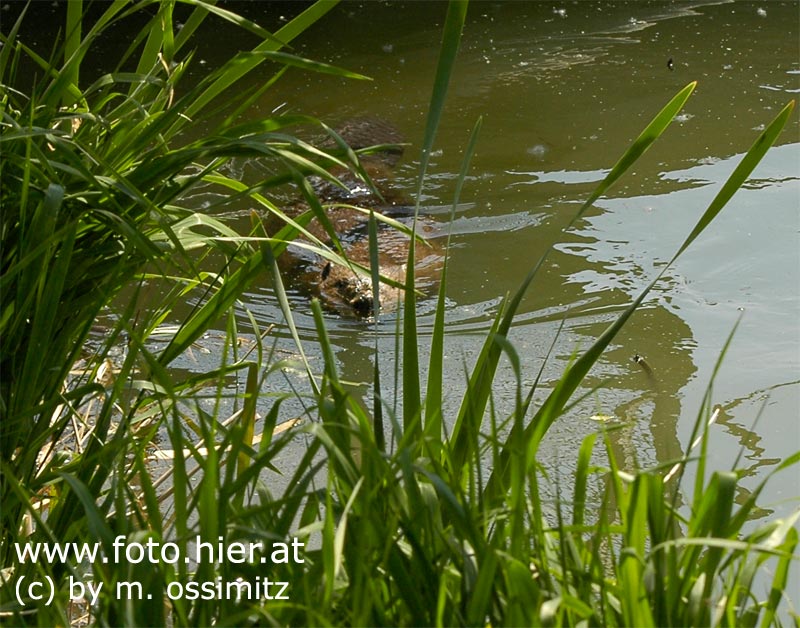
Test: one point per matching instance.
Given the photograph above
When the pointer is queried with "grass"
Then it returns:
(403, 528)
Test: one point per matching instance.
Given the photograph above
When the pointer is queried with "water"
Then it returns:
(562, 89)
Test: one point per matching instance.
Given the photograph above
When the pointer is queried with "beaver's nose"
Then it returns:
(362, 305)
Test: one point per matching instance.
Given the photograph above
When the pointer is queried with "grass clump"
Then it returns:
(398, 529)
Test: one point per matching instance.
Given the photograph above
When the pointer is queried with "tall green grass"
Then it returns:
(401, 528)
(91, 181)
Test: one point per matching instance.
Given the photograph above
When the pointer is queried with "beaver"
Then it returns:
(342, 288)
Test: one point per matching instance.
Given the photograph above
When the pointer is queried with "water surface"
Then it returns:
(562, 89)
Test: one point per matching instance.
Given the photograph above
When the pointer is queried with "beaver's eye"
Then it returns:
(326, 271)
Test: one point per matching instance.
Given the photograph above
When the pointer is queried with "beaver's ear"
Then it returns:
(326, 271)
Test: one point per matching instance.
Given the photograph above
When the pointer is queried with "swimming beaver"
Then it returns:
(341, 288)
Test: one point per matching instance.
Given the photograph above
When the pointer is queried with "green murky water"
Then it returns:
(562, 89)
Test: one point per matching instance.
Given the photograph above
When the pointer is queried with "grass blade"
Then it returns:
(739, 175)
(451, 39)
(433, 394)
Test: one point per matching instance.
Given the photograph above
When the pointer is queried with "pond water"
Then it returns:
(562, 89)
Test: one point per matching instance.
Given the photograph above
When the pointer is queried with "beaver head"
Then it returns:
(344, 290)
